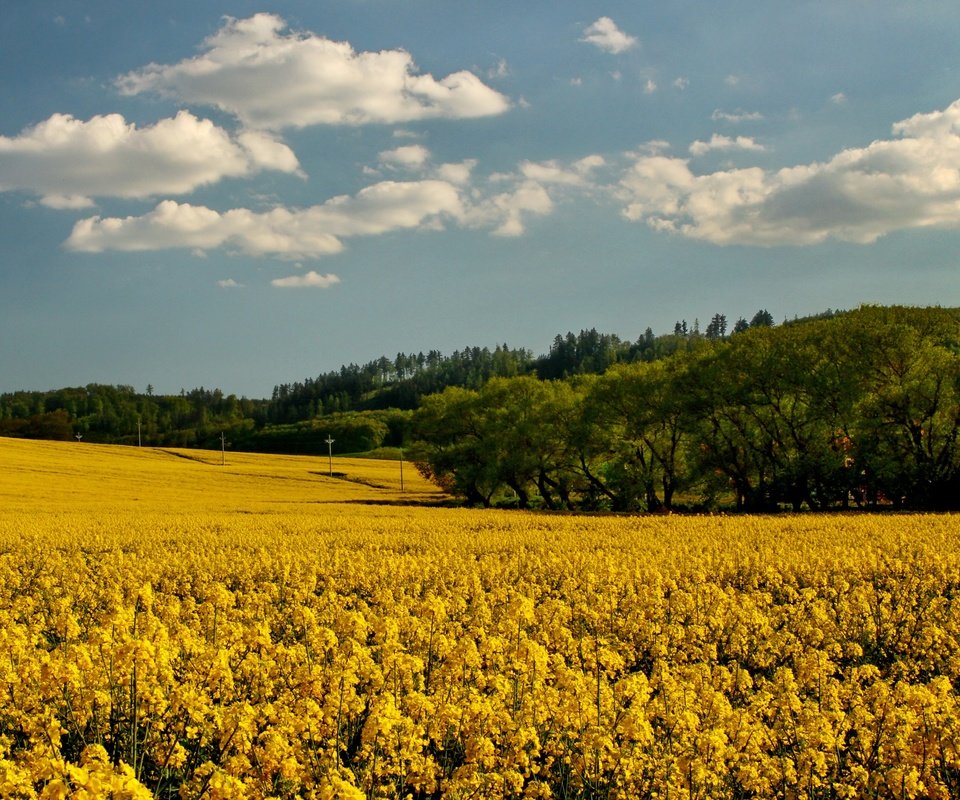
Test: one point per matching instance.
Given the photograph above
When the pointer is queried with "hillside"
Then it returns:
(65, 477)
(299, 415)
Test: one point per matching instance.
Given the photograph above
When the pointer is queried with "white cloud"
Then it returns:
(839, 99)
(409, 156)
(456, 173)
(605, 34)
(736, 116)
(309, 279)
(318, 231)
(291, 234)
(936, 124)
(267, 152)
(508, 210)
(681, 83)
(721, 142)
(229, 283)
(551, 172)
(654, 147)
(650, 86)
(66, 161)
(732, 80)
(858, 195)
(271, 80)
(530, 192)
(588, 163)
(67, 202)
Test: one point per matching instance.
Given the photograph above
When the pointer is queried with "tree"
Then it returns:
(762, 319)
(907, 423)
(450, 446)
(773, 408)
(717, 328)
(639, 405)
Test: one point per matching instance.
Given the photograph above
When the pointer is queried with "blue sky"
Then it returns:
(242, 194)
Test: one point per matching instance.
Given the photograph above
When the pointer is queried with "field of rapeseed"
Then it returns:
(174, 627)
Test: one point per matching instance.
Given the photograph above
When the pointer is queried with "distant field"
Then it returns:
(70, 476)
(174, 627)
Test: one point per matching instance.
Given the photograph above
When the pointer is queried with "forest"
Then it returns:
(858, 410)
(359, 405)
(847, 409)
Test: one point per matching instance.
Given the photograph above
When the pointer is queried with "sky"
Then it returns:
(238, 194)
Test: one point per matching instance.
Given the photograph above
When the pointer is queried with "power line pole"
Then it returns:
(330, 440)
(223, 450)
(401, 469)
(139, 443)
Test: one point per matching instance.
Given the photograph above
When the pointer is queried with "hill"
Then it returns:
(299, 416)
(61, 477)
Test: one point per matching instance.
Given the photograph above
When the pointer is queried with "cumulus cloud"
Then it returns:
(858, 195)
(284, 233)
(267, 152)
(650, 86)
(457, 173)
(502, 203)
(531, 191)
(271, 80)
(934, 125)
(720, 142)
(552, 172)
(605, 34)
(508, 210)
(67, 161)
(310, 279)
(410, 156)
(229, 283)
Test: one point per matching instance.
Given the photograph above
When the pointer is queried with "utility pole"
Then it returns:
(139, 442)
(223, 450)
(401, 469)
(330, 440)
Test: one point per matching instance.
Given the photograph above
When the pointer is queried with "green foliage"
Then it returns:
(112, 414)
(859, 408)
(53, 425)
(842, 409)
(352, 432)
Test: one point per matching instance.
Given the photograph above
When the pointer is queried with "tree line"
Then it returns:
(843, 409)
(854, 409)
(345, 403)
(120, 415)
